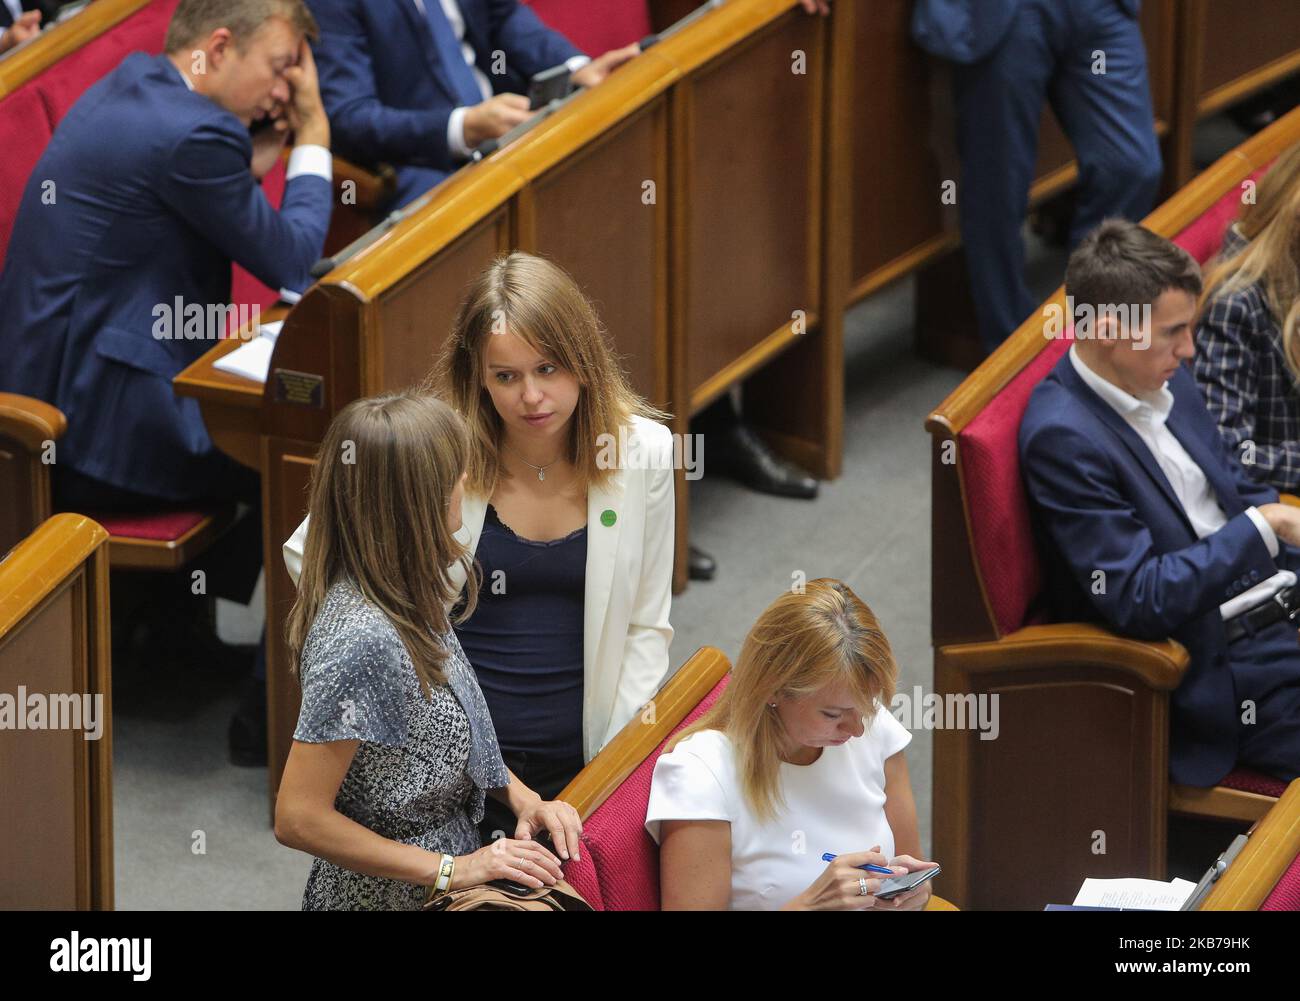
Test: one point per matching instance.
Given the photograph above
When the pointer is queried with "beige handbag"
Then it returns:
(491, 897)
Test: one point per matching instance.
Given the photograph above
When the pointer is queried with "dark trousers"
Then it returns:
(1050, 51)
(544, 776)
(1266, 674)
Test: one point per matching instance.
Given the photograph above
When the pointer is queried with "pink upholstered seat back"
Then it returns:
(619, 869)
(996, 504)
(596, 26)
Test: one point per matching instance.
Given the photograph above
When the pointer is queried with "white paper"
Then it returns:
(252, 360)
(1134, 894)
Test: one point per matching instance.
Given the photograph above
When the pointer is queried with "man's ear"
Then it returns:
(219, 45)
(1106, 329)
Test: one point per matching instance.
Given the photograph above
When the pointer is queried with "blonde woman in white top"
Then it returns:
(798, 757)
(568, 646)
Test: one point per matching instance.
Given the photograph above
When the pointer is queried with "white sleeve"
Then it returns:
(889, 734)
(684, 788)
(293, 550)
(1265, 530)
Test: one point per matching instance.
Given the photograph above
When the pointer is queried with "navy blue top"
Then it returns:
(525, 638)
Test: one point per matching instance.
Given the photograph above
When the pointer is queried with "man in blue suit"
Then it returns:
(420, 83)
(1148, 524)
(142, 199)
(1088, 59)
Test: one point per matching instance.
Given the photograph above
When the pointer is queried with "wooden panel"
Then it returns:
(288, 466)
(591, 216)
(752, 235)
(1241, 41)
(415, 317)
(42, 781)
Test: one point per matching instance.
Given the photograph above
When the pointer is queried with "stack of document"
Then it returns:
(1134, 894)
(253, 359)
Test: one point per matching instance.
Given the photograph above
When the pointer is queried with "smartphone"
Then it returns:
(896, 885)
(549, 85)
(518, 889)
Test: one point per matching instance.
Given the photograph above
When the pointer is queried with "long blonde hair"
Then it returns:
(1272, 257)
(380, 492)
(800, 644)
(538, 302)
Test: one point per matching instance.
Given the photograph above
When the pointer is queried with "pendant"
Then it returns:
(541, 474)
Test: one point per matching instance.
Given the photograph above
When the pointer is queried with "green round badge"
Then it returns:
(607, 518)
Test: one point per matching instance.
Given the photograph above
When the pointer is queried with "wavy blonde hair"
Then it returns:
(1272, 257)
(380, 493)
(538, 302)
(799, 645)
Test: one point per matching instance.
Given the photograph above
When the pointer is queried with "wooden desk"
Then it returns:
(231, 405)
(1273, 846)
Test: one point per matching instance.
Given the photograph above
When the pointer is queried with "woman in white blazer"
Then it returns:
(568, 508)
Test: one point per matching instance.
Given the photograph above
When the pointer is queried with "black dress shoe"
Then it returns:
(737, 451)
(702, 565)
(247, 734)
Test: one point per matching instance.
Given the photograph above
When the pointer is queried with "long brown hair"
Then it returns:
(538, 302)
(380, 492)
(801, 643)
(1272, 257)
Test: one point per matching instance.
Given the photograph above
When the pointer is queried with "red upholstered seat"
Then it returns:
(1285, 896)
(24, 132)
(1248, 781)
(596, 26)
(163, 526)
(619, 868)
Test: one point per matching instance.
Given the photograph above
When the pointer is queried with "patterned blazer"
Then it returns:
(1248, 388)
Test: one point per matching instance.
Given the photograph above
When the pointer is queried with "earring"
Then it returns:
(771, 705)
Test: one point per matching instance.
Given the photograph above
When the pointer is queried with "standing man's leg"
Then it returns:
(999, 102)
(1103, 99)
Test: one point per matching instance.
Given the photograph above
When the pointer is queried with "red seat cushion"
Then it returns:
(164, 526)
(1285, 896)
(596, 26)
(619, 868)
(1247, 781)
(24, 132)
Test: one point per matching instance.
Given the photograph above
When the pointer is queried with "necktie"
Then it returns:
(450, 55)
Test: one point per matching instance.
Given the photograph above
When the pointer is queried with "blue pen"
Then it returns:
(831, 856)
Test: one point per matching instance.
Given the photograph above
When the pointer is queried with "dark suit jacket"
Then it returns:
(143, 195)
(966, 31)
(387, 95)
(1101, 502)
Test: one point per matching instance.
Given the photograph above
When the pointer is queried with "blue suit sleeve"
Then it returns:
(529, 45)
(1109, 550)
(363, 126)
(209, 184)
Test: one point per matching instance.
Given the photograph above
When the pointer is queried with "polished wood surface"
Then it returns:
(1274, 844)
(56, 828)
(1219, 803)
(29, 434)
(38, 55)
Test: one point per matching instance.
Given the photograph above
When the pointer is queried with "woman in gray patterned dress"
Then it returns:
(395, 748)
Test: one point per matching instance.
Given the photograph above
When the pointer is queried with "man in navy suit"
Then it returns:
(144, 196)
(1088, 59)
(1148, 524)
(420, 83)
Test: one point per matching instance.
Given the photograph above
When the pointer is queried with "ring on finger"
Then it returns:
(862, 887)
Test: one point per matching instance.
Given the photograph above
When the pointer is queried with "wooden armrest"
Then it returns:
(939, 904)
(1160, 665)
(633, 744)
(36, 566)
(373, 188)
(29, 421)
(1290, 500)
(1274, 843)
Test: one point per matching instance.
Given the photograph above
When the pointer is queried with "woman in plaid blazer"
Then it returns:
(1248, 352)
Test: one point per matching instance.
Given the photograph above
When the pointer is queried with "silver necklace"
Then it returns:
(541, 470)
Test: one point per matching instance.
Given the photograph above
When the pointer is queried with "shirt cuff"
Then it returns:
(576, 63)
(456, 134)
(1265, 531)
(310, 159)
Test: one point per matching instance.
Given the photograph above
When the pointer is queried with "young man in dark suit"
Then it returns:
(420, 83)
(1147, 523)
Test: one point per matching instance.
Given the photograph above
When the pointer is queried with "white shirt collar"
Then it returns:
(1150, 407)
